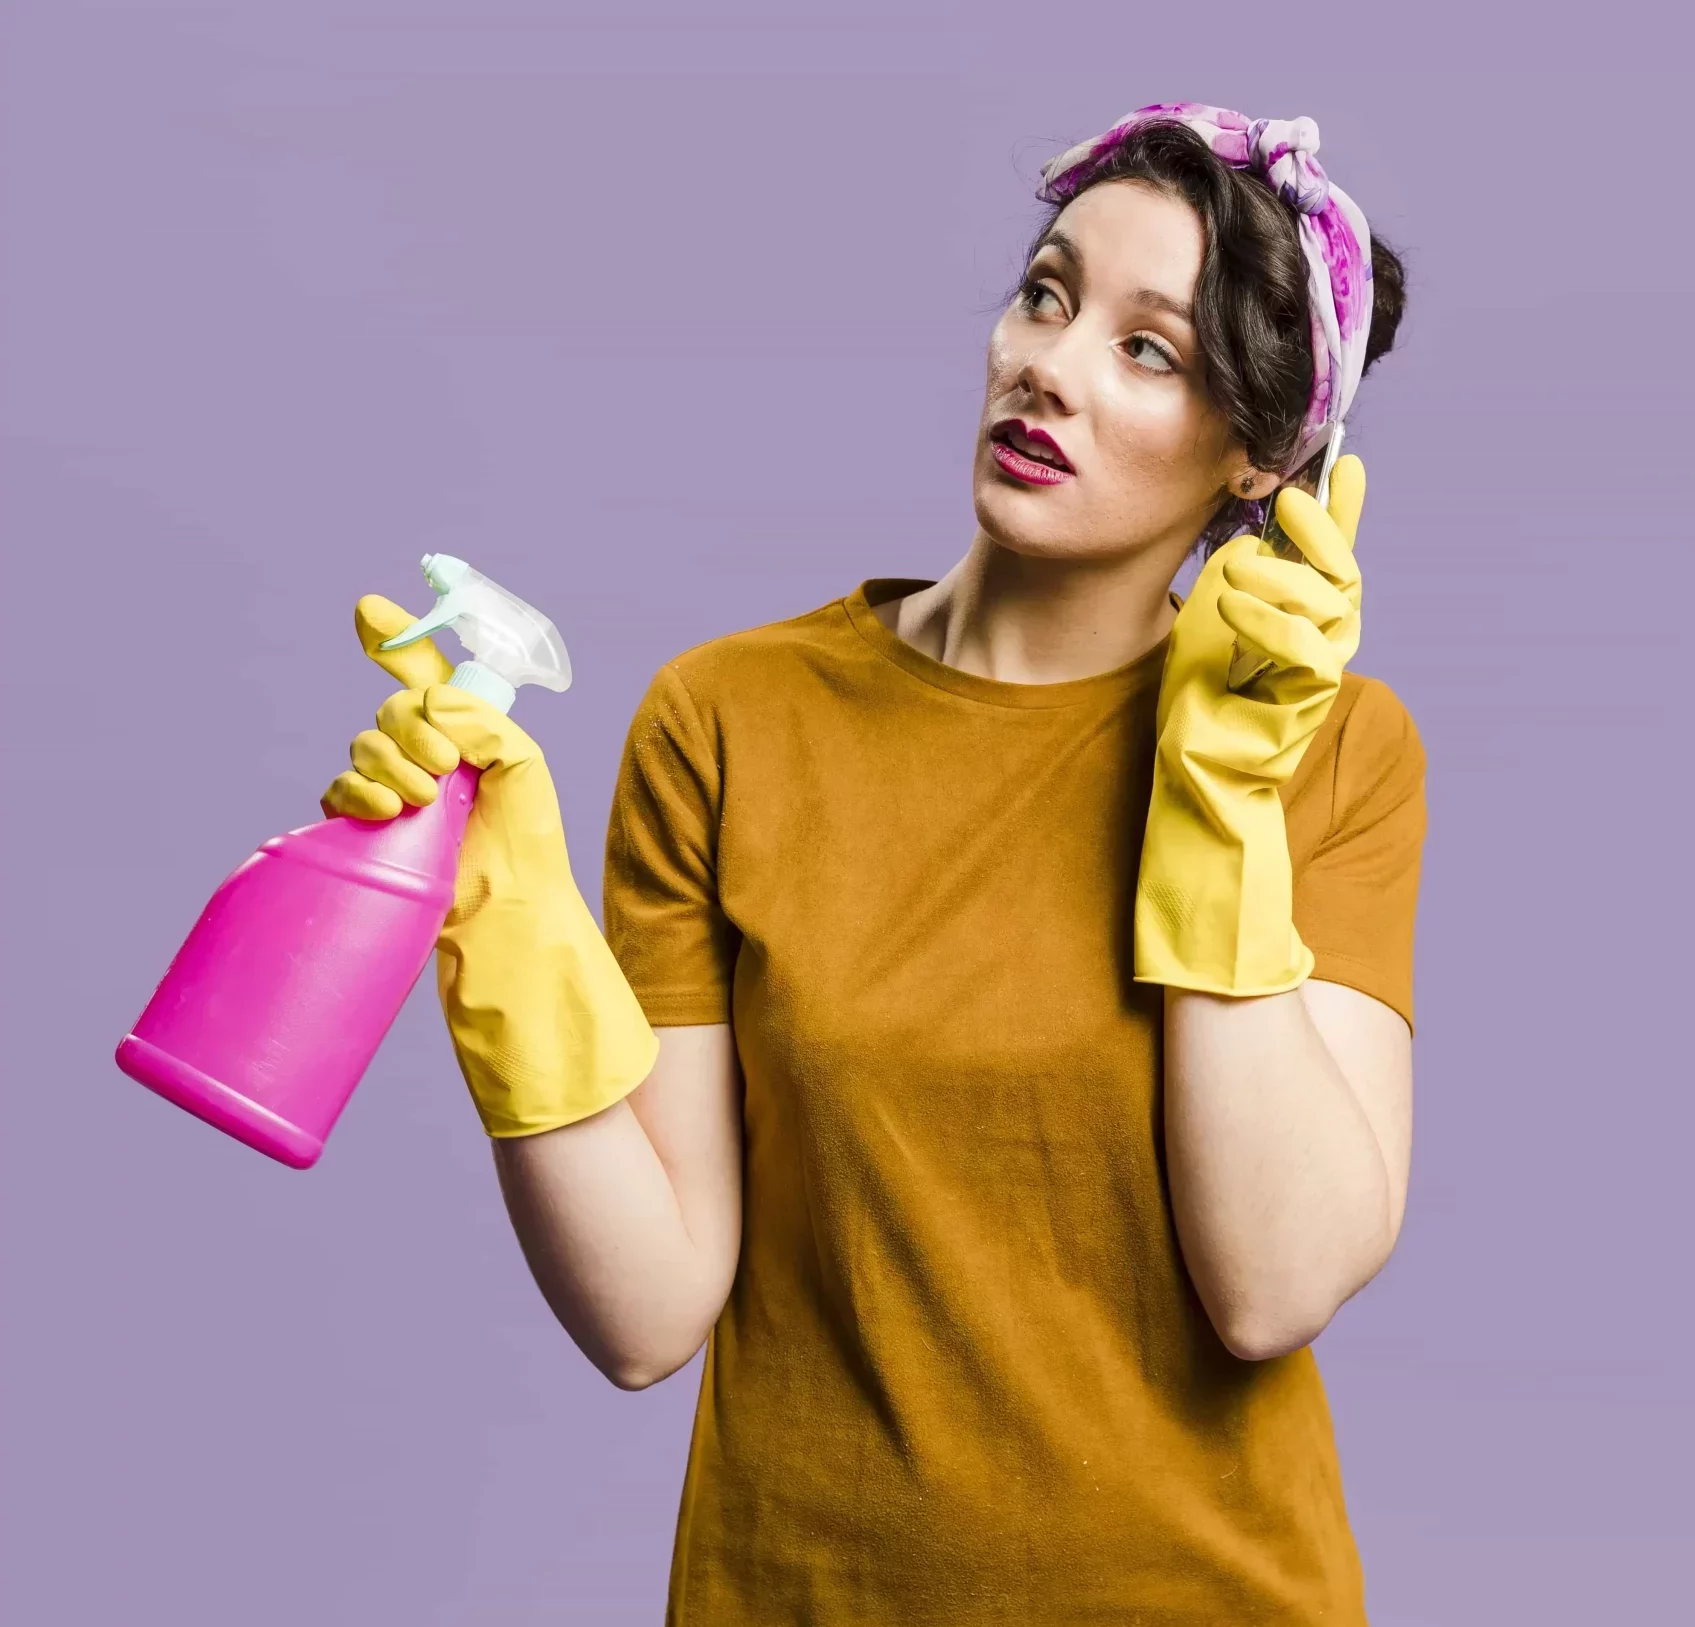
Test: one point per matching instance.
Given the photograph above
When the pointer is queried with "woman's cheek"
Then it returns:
(1159, 431)
(1004, 363)
(1150, 444)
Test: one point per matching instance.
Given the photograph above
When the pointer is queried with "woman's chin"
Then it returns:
(1027, 520)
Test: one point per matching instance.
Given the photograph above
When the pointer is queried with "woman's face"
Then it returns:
(1098, 354)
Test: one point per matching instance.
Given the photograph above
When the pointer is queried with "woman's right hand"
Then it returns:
(396, 764)
(546, 1029)
(630, 1219)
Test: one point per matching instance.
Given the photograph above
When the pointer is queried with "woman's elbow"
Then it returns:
(1264, 1330)
(654, 1354)
(640, 1371)
(638, 1352)
(632, 1376)
(1263, 1327)
(1265, 1338)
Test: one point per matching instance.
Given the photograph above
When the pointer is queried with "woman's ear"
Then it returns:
(1253, 484)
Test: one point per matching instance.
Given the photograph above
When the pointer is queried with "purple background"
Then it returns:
(674, 324)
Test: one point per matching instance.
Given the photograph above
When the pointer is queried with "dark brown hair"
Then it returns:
(1252, 319)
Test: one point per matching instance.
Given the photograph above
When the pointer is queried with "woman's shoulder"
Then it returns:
(1363, 771)
(764, 661)
(1374, 718)
(1369, 745)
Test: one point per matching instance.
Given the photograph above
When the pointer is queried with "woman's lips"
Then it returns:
(1014, 461)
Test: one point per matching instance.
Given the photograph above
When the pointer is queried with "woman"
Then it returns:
(1033, 1009)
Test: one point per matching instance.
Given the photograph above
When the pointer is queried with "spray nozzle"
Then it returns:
(511, 643)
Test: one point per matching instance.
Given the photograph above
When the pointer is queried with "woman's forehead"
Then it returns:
(1130, 235)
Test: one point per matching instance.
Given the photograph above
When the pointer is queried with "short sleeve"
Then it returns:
(1356, 897)
(660, 899)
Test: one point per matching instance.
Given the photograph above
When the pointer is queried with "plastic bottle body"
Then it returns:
(274, 1006)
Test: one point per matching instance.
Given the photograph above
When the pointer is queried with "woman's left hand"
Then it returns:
(1304, 617)
(1214, 899)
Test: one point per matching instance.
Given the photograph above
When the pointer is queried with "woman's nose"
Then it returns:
(1051, 371)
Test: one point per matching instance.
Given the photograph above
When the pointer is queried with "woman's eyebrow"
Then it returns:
(1064, 246)
(1058, 240)
(1164, 302)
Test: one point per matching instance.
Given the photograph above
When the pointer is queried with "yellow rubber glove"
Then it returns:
(546, 1029)
(1214, 900)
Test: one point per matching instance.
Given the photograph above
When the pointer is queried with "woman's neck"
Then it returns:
(1024, 620)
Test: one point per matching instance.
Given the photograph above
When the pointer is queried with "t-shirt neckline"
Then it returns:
(1116, 684)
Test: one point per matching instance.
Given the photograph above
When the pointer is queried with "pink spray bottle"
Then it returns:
(272, 1010)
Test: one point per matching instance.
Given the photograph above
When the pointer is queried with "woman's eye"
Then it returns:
(1033, 293)
(1150, 353)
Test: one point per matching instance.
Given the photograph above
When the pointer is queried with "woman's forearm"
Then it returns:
(631, 1219)
(1278, 1182)
(606, 1239)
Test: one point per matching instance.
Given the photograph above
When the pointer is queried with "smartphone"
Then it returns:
(1246, 662)
(1274, 540)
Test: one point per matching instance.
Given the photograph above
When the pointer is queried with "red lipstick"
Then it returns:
(1028, 455)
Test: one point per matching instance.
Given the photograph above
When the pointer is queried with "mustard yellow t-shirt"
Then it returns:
(962, 1376)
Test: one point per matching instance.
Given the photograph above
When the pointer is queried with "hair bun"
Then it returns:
(1388, 299)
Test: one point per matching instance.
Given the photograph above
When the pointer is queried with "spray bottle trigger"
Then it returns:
(437, 619)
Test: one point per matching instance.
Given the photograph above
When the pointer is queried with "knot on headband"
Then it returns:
(1335, 240)
(1284, 152)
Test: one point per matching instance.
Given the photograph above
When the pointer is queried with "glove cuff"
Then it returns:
(1214, 907)
(1176, 975)
(545, 1026)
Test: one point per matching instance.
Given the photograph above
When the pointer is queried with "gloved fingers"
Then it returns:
(482, 734)
(1347, 495)
(378, 758)
(1290, 586)
(402, 718)
(1246, 546)
(1203, 595)
(352, 796)
(1328, 549)
(1293, 642)
(417, 666)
